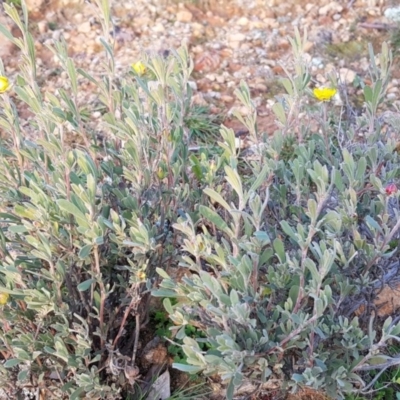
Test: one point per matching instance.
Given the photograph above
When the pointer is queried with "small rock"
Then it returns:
(393, 14)
(308, 46)
(236, 37)
(374, 11)
(270, 63)
(345, 36)
(268, 13)
(241, 110)
(216, 87)
(161, 388)
(42, 26)
(337, 100)
(227, 99)
(198, 99)
(207, 61)
(347, 75)
(324, 20)
(317, 61)
(391, 88)
(85, 27)
(140, 22)
(197, 49)
(324, 10)
(193, 85)
(78, 17)
(330, 68)
(243, 21)
(261, 87)
(271, 23)
(256, 25)
(214, 21)
(184, 16)
(70, 3)
(56, 35)
(34, 5)
(309, 6)
(197, 29)
(158, 28)
(154, 352)
(213, 95)
(330, 7)
(234, 45)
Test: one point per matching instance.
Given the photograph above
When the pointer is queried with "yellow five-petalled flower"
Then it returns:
(324, 94)
(4, 84)
(4, 298)
(139, 68)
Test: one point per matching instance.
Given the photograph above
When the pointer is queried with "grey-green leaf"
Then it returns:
(191, 369)
(12, 362)
(85, 251)
(67, 206)
(213, 217)
(85, 285)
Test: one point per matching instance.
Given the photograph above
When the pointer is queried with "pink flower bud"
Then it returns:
(391, 189)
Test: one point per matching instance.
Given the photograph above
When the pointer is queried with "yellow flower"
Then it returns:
(324, 94)
(4, 84)
(160, 173)
(141, 275)
(139, 68)
(4, 298)
(266, 291)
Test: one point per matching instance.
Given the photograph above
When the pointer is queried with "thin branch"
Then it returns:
(290, 337)
(391, 363)
(121, 328)
(377, 25)
(102, 295)
(372, 383)
(137, 331)
(312, 231)
(387, 240)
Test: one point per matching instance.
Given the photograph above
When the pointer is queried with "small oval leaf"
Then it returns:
(85, 285)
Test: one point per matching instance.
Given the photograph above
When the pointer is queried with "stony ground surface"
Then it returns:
(230, 41)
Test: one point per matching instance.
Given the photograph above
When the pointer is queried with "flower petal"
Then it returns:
(139, 68)
(324, 94)
(4, 84)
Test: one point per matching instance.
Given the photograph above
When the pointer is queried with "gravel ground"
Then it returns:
(230, 40)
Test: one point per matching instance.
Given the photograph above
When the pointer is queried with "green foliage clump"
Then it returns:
(84, 225)
(284, 255)
(281, 248)
(163, 326)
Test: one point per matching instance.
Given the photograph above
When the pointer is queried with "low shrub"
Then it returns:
(294, 244)
(283, 243)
